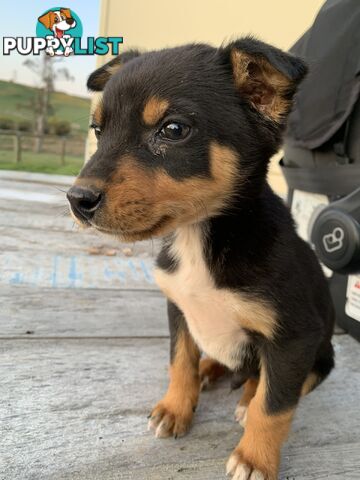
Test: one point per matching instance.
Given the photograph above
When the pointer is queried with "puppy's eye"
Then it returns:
(56, 20)
(174, 131)
(96, 129)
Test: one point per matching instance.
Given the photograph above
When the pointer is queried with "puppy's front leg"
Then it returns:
(269, 414)
(173, 414)
(257, 456)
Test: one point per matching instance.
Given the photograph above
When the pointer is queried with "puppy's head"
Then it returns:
(58, 21)
(181, 133)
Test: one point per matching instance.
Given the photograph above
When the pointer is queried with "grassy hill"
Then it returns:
(15, 100)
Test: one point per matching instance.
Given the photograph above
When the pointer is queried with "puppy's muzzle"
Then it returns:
(84, 201)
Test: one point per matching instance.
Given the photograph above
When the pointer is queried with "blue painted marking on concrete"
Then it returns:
(16, 279)
(77, 271)
(73, 275)
(133, 269)
(121, 274)
(110, 273)
(53, 278)
(36, 275)
(148, 276)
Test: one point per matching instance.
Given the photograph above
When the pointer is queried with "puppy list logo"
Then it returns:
(59, 32)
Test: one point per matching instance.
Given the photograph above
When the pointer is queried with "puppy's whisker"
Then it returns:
(55, 187)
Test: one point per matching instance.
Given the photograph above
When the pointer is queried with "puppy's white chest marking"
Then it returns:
(212, 314)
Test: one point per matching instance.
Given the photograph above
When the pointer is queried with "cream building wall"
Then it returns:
(154, 24)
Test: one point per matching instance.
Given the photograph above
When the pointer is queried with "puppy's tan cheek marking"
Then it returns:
(154, 110)
(264, 434)
(130, 183)
(268, 83)
(224, 169)
(129, 197)
(161, 195)
(199, 195)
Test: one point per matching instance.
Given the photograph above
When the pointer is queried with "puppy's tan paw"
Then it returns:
(169, 419)
(209, 371)
(243, 471)
(241, 414)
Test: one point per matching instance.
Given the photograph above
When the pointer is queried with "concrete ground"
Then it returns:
(84, 353)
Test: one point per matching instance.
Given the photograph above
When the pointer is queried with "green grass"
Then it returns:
(15, 97)
(41, 162)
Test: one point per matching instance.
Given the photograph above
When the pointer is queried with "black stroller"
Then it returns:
(321, 160)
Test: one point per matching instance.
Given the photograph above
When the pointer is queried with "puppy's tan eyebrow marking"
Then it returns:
(154, 110)
(97, 115)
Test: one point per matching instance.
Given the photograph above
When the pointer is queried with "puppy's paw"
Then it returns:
(241, 470)
(241, 414)
(170, 419)
(210, 370)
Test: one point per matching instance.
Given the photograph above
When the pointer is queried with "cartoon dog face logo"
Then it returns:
(58, 22)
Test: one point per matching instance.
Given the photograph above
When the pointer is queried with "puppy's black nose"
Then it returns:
(84, 201)
(69, 21)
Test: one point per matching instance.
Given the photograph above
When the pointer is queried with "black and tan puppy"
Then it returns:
(184, 140)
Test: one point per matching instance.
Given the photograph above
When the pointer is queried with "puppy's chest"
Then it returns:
(212, 314)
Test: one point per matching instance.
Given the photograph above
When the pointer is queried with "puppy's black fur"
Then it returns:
(237, 98)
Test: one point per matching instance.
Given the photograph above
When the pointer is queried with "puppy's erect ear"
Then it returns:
(47, 19)
(97, 80)
(66, 12)
(265, 76)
